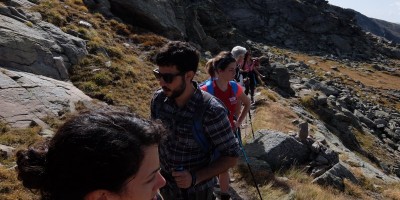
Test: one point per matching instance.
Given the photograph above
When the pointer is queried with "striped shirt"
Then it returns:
(180, 149)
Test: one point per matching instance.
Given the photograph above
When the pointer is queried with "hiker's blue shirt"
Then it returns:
(180, 149)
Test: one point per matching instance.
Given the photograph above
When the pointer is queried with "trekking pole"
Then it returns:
(248, 165)
(251, 124)
(245, 128)
(239, 136)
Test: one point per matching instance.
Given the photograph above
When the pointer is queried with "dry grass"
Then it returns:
(392, 191)
(268, 93)
(307, 101)
(300, 182)
(371, 144)
(376, 79)
(388, 190)
(355, 190)
(113, 71)
(272, 115)
(17, 137)
(270, 188)
(365, 183)
(11, 188)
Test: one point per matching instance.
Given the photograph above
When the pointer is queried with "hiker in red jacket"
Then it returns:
(222, 71)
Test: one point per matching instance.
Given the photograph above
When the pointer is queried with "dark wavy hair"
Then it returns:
(182, 54)
(91, 151)
(220, 61)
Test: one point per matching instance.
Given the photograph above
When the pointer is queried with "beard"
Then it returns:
(176, 92)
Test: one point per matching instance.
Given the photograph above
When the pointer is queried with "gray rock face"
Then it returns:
(158, 14)
(334, 177)
(27, 98)
(316, 85)
(178, 20)
(278, 74)
(39, 47)
(278, 149)
(304, 25)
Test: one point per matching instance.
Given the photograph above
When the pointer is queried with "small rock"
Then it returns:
(85, 23)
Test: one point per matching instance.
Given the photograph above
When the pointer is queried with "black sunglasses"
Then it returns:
(167, 77)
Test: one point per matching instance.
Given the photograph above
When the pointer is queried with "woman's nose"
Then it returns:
(160, 181)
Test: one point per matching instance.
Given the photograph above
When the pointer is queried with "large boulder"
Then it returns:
(27, 99)
(278, 74)
(31, 45)
(279, 150)
(316, 85)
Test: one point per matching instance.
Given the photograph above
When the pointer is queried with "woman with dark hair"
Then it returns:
(222, 71)
(96, 156)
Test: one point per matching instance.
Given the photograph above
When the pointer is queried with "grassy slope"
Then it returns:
(128, 81)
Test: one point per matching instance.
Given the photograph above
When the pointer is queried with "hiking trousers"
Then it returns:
(200, 195)
(251, 83)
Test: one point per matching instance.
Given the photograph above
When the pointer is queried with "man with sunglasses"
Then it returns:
(185, 166)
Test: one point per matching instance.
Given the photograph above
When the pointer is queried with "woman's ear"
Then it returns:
(98, 195)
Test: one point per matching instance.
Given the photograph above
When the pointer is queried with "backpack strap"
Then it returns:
(210, 87)
(157, 105)
(198, 131)
(234, 86)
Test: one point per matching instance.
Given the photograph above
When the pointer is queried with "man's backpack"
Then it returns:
(197, 129)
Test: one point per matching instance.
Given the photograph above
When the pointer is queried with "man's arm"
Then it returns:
(246, 102)
(222, 164)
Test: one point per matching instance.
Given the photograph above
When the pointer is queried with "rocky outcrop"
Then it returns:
(307, 25)
(279, 150)
(27, 99)
(31, 45)
(197, 21)
(335, 177)
(342, 113)
(277, 74)
(271, 151)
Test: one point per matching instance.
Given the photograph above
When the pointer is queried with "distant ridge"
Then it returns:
(387, 30)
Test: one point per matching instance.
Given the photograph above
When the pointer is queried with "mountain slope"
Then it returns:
(387, 30)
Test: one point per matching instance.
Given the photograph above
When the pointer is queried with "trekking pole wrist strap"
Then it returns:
(194, 178)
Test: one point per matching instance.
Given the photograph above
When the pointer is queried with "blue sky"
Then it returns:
(388, 10)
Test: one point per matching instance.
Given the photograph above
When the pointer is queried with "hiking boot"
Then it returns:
(217, 189)
(225, 196)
